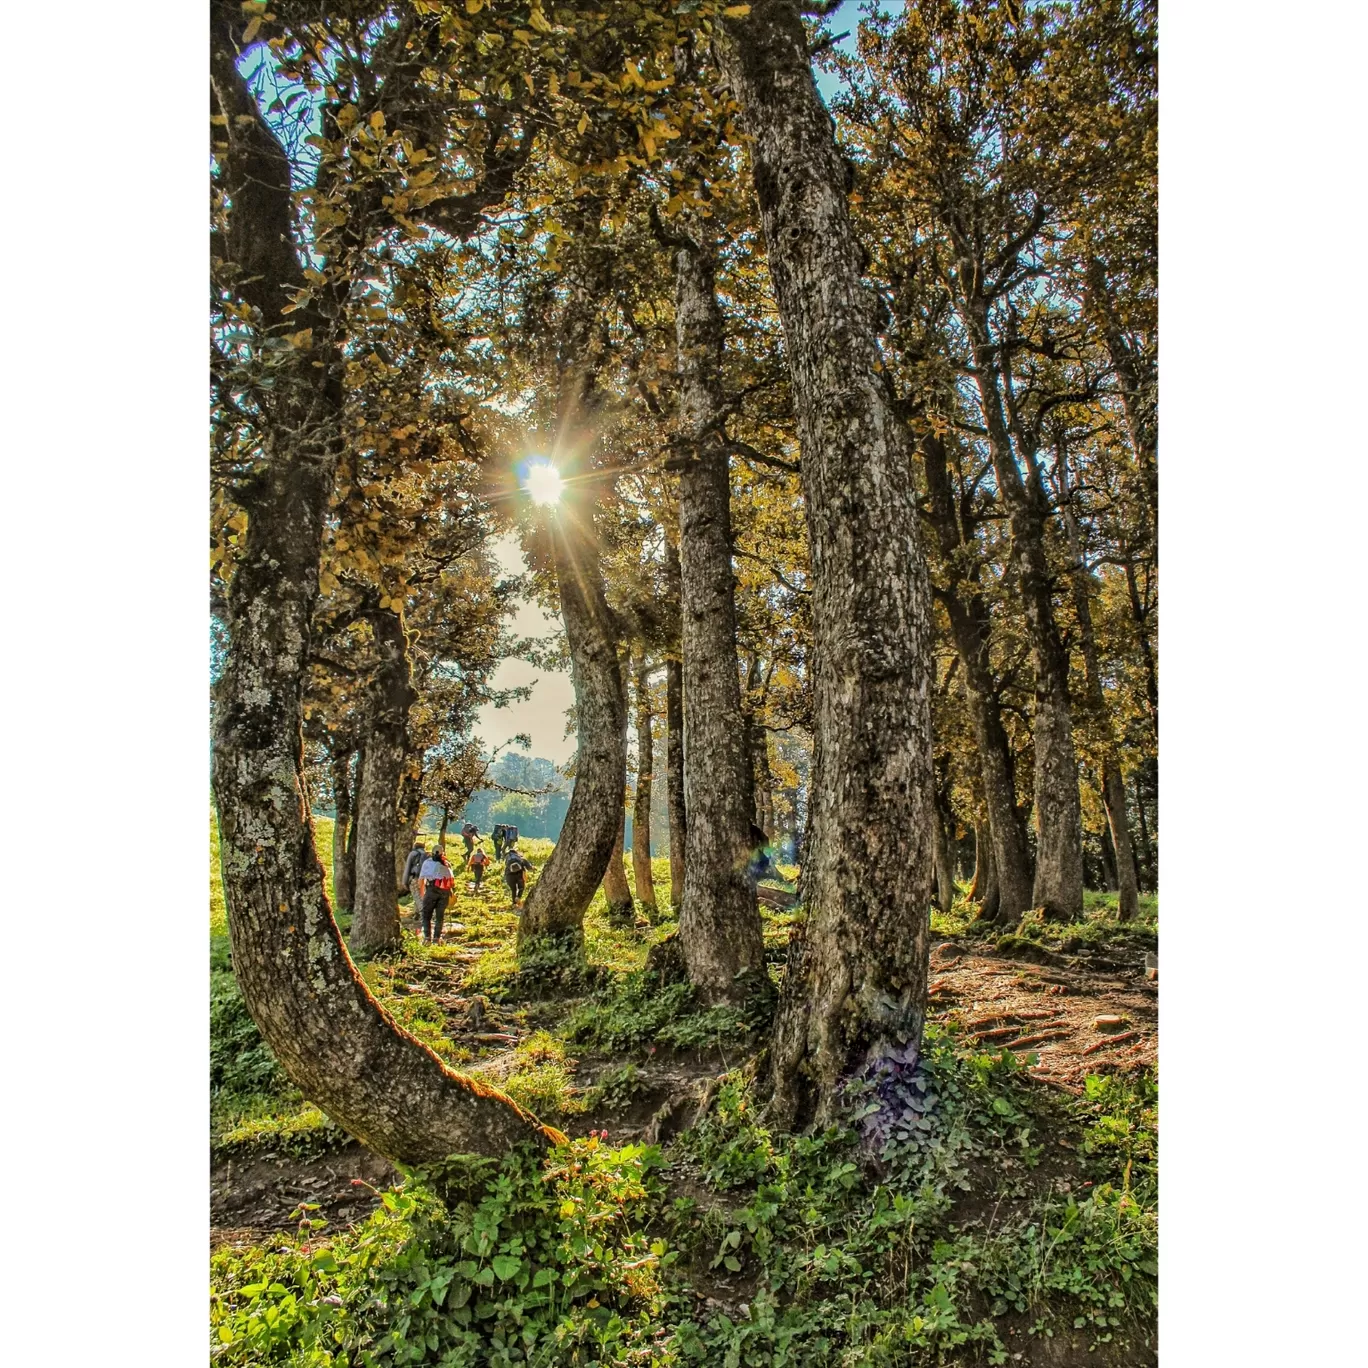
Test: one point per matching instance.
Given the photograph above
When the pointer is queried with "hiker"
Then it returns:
(412, 867)
(515, 875)
(470, 833)
(498, 835)
(436, 882)
(478, 861)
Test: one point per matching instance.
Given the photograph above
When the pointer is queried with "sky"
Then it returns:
(542, 715)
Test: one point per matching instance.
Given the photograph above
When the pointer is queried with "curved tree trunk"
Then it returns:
(674, 775)
(331, 1037)
(855, 988)
(344, 869)
(641, 806)
(719, 923)
(375, 916)
(556, 903)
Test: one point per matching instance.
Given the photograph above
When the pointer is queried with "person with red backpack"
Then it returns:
(435, 882)
(478, 861)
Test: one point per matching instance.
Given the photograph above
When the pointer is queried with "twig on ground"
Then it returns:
(1112, 1040)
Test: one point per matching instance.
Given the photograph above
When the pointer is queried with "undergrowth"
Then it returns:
(949, 1237)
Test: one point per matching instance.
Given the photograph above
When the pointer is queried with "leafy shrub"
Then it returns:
(240, 1061)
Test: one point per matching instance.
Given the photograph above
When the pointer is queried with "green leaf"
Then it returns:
(505, 1266)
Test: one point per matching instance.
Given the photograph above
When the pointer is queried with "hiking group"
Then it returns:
(430, 879)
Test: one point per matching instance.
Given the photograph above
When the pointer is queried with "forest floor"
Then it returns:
(1043, 1037)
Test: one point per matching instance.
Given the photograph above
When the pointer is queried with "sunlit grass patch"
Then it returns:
(541, 1077)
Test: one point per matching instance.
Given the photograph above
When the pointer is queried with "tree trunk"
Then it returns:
(719, 923)
(375, 917)
(1113, 786)
(442, 830)
(945, 873)
(1058, 886)
(407, 807)
(674, 775)
(1139, 385)
(556, 903)
(344, 869)
(350, 861)
(855, 988)
(1108, 861)
(616, 890)
(641, 809)
(314, 1011)
(971, 629)
(986, 889)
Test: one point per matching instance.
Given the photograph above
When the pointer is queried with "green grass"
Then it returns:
(990, 1213)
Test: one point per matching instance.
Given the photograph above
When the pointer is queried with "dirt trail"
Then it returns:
(1091, 1012)
(1094, 1012)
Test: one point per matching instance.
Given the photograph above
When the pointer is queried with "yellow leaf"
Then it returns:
(251, 30)
(583, 123)
(531, 85)
(474, 6)
(377, 121)
(736, 11)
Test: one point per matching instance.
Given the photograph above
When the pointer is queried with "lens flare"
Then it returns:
(544, 483)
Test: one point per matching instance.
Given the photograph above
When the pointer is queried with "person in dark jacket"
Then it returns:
(515, 875)
(412, 866)
(470, 833)
(498, 837)
(436, 882)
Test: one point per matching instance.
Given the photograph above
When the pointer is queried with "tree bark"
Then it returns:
(855, 988)
(330, 1036)
(375, 917)
(617, 892)
(719, 922)
(344, 868)
(556, 903)
(408, 806)
(986, 889)
(641, 807)
(945, 873)
(971, 629)
(674, 775)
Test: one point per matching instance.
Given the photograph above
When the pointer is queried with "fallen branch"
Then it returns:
(997, 1033)
(1037, 1039)
(1112, 1040)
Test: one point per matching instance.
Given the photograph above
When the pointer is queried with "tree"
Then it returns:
(641, 801)
(855, 987)
(277, 450)
(719, 925)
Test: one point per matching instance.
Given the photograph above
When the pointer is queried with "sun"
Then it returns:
(544, 483)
